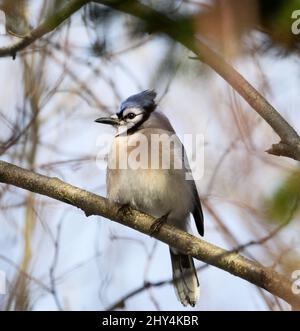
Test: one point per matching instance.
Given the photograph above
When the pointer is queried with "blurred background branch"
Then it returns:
(180, 29)
(16, 20)
(80, 59)
(50, 23)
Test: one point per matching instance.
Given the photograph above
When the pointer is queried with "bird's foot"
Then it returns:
(157, 224)
(124, 209)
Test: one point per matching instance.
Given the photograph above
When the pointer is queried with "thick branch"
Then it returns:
(93, 204)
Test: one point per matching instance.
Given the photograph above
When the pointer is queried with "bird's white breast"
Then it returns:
(154, 191)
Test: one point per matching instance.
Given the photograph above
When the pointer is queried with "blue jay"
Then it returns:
(164, 193)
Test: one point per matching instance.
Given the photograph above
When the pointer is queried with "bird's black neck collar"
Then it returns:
(140, 123)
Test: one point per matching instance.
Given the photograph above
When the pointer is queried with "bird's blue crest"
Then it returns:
(145, 100)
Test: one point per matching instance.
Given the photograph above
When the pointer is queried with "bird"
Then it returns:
(162, 192)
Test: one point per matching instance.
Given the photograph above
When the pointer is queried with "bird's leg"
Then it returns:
(124, 209)
(157, 224)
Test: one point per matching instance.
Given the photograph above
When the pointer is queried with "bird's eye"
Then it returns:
(131, 116)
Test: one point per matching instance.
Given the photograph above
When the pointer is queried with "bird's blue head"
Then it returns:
(144, 101)
(133, 112)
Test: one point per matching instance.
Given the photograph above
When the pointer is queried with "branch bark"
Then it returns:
(289, 146)
(93, 204)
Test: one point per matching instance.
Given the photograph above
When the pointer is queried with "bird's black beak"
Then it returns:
(108, 120)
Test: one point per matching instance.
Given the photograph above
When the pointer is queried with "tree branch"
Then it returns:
(48, 25)
(157, 22)
(93, 204)
(180, 30)
(147, 285)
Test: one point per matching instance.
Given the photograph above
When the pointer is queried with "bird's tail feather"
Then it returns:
(185, 278)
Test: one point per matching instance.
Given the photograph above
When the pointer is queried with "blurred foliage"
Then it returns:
(231, 22)
(284, 203)
(276, 22)
(98, 14)
(221, 22)
(99, 19)
(175, 61)
(226, 25)
(172, 54)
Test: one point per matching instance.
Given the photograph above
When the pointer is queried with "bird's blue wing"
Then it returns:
(197, 212)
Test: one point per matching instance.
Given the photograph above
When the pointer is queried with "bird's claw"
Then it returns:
(124, 209)
(157, 224)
